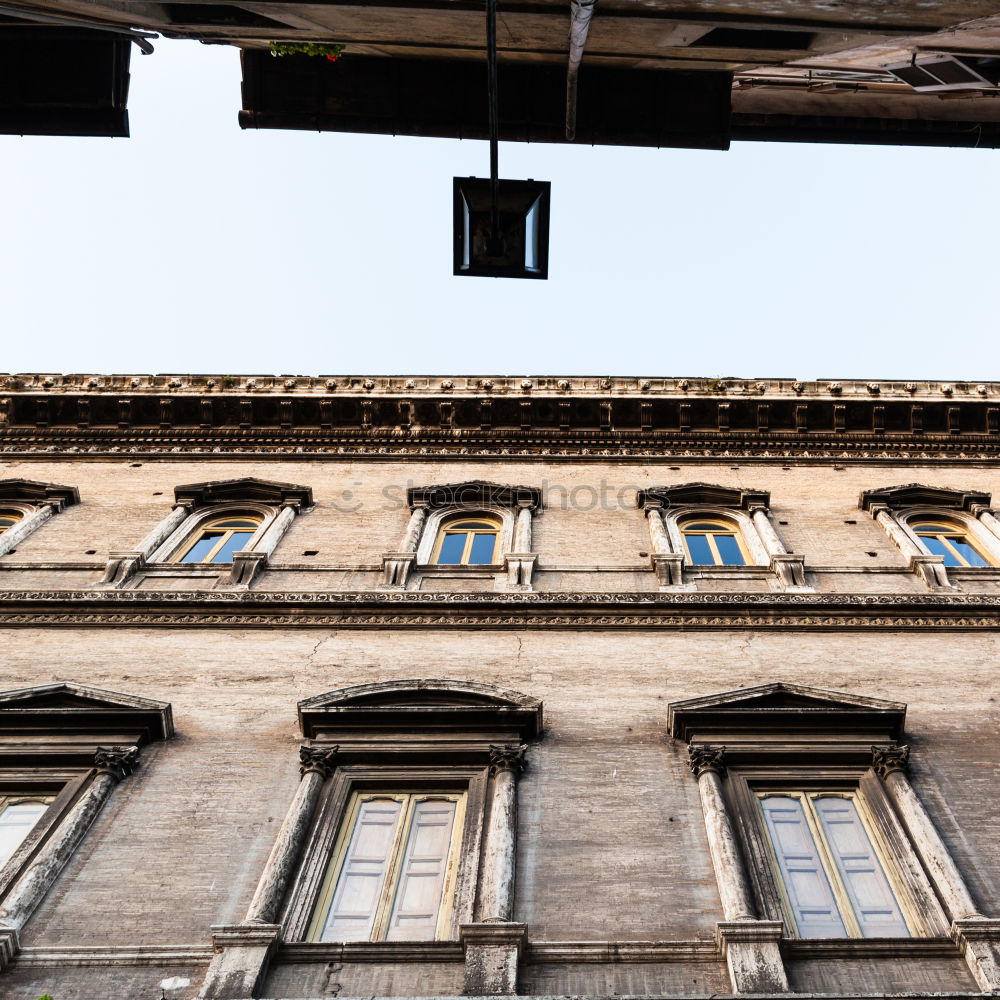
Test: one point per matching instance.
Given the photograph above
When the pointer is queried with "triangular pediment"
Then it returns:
(243, 490)
(66, 705)
(421, 703)
(917, 495)
(32, 491)
(773, 707)
(702, 494)
(473, 493)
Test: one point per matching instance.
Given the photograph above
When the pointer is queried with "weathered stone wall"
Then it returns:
(612, 843)
(588, 538)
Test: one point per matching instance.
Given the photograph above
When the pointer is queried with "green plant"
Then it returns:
(45, 996)
(328, 51)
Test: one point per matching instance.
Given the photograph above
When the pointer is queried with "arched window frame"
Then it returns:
(742, 526)
(746, 510)
(172, 550)
(36, 503)
(514, 560)
(896, 508)
(277, 504)
(984, 541)
(437, 522)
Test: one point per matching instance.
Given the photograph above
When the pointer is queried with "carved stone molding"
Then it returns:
(382, 608)
(699, 494)
(885, 760)
(702, 758)
(507, 758)
(321, 760)
(119, 762)
(475, 493)
(918, 495)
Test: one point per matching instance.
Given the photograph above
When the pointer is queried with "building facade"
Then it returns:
(403, 687)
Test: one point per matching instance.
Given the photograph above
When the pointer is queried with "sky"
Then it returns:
(194, 246)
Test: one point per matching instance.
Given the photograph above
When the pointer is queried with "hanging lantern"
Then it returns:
(518, 245)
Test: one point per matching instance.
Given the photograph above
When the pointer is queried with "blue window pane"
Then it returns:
(971, 556)
(937, 548)
(482, 549)
(701, 554)
(234, 543)
(729, 549)
(452, 548)
(202, 547)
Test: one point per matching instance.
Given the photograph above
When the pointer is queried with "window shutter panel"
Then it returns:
(363, 874)
(16, 822)
(814, 906)
(872, 899)
(422, 873)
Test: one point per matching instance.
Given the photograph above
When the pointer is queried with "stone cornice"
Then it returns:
(455, 386)
(379, 609)
(472, 418)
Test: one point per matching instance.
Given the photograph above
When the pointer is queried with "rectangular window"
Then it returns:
(392, 874)
(18, 816)
(833, 882)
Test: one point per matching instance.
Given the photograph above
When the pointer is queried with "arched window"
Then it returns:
(216, 540)
(467, 541)
(8, 518)
(18, 814)
(949, 540)
(713, 542)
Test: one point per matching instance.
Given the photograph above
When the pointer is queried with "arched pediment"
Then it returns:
(243, 491)
(917, 495)
(702, 494)
(423, 704)
(773, 709)
(31, 491)
(475, 493)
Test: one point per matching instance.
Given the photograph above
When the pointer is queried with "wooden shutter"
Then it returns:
(422, 872)
(363, 873)
(871, 896)
(807, 887)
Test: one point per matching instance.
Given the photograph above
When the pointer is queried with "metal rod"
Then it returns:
(494, 115)
(581, 12)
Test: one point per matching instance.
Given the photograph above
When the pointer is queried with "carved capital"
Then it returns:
(706, 758)
(320, 760)
(509, 757)
(885, 760)
(119, 762)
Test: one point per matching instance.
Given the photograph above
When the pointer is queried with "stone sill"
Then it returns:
(303, 952)
(930, 947)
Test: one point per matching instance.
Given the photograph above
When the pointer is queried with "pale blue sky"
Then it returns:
(195, 246)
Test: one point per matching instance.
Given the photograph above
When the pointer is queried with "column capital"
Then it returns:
(704, 758)
(758, 508)
(509, 757)
(887, 759)
(119, 762)
(318, 760)
(657, 505)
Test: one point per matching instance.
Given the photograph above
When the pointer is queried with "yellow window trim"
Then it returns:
(725, 528)
(882, 851)
(491, 526)
(8, 518)
(944, 533)
(388, 896)
(227, 533)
